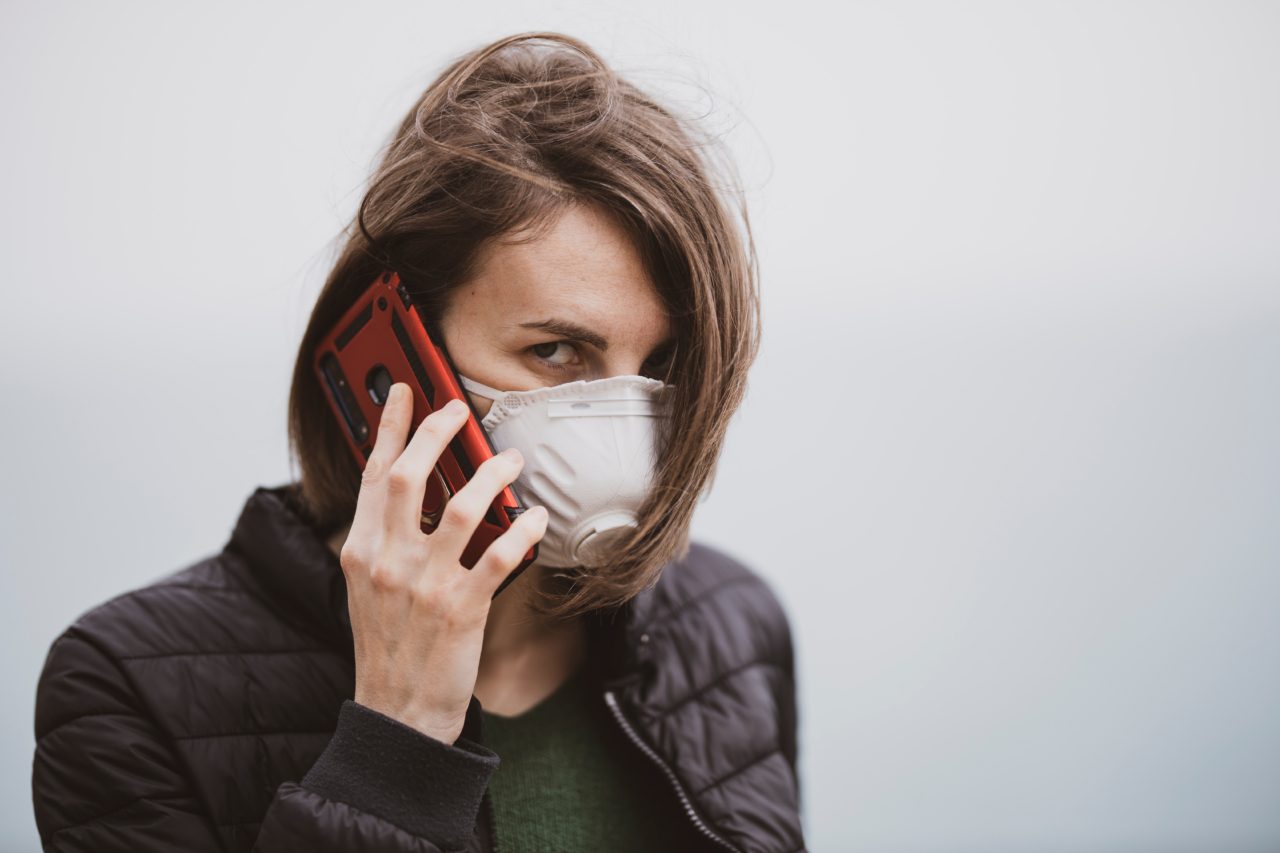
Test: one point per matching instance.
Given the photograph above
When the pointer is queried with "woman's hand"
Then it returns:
(417, 614)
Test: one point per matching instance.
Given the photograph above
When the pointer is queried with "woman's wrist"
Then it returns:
(435, 726)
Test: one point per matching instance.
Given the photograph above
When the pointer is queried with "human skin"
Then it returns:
(583, 270)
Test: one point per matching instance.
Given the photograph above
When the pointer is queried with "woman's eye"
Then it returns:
(547, 352)
(660, 362)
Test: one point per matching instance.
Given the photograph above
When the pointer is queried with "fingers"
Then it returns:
(506, 552)
(407, 478)
(394, 483)
(367, 523)
(465, 510)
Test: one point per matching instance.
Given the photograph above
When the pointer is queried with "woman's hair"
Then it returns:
(504, 140)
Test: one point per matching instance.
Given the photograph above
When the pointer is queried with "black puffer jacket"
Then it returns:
(211, 711)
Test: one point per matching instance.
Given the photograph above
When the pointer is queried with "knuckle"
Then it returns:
(423, 592)
(432, 426)
(462, 512)
(502, 467)
(499, 557)
(400, 479)
(353, 557)
(452, 611)
(506, 551)
(383, 576)
(433, 600)
(455, 619)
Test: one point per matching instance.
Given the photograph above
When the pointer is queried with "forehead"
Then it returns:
(583, 267)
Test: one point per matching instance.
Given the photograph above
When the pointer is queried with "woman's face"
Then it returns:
(576, 303)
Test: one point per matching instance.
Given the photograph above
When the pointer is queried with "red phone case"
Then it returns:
(382, 340)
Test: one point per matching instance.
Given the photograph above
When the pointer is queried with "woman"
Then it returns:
(335, 679)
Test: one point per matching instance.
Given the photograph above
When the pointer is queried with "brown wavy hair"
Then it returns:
(503, 140)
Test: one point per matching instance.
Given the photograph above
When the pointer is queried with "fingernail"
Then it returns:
(513, 454)
(456, 406)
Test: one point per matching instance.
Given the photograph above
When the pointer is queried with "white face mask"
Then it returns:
(589, 455)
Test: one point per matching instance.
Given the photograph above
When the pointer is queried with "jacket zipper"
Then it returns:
(666, 769)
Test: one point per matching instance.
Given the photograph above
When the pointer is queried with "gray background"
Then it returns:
(1010, 453)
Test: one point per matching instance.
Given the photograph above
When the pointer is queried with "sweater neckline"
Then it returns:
(547, 704)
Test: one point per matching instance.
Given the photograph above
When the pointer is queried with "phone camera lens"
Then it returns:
(378, 383)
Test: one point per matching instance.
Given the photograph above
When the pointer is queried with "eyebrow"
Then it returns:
(567, 329)
(576, 332)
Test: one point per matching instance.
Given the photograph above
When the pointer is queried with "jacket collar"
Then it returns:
(290, 560)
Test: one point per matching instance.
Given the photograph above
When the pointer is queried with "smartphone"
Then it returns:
(381, 340)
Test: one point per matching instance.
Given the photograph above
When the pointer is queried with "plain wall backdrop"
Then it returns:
(1010, 451)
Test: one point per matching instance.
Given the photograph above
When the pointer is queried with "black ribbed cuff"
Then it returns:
(393, 771)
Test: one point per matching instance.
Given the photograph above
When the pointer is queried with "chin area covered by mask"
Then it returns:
(589, 451)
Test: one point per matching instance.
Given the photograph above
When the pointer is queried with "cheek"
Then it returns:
(482, 404)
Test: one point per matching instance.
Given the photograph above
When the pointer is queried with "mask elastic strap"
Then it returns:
(480, 388)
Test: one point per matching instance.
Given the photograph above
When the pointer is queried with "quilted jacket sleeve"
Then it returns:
(106, 779)
(381, 785)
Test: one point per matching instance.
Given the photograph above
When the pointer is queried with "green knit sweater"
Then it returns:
(570, 781)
